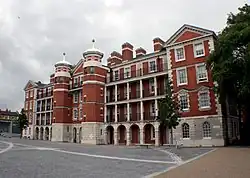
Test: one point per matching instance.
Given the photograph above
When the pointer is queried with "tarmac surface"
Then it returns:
(44, 159)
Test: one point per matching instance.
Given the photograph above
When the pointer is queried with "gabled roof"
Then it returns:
(77, 65)
(191, 28)
(30, 82)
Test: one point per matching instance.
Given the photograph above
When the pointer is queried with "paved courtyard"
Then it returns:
(42, 159)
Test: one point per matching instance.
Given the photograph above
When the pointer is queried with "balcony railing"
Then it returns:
(137, 73)
(161, 91)
(147, 93)
(110, 118)
(121, 97)
(134, 95)
(135, 117)
(76, 85)
(110, 99)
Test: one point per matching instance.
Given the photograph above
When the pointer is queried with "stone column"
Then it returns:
(141, 94)
(128, 91)
(10, 129)
(115, 93)
(155, 86)
(141, 135)
(128, 137)
(141, 108)
(105, 114)
(157, 142)
(128, 112)
(156, 107)
(105, 94)
(105, 137)
(115, 138)
(116, 119)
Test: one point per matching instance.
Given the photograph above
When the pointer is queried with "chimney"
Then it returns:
(140, 52)
(158, 44)
(115, 58)
(127, 51)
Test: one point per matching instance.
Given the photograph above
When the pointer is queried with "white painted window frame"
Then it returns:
(207, 134)
(127, 72)
(188, 131)
(175, 52)
(75, 114)
(197, 74)
(76, 97)
(149, 66)
(117, 74)
(188, 101)
(178, 76)
(199, 99)
(194, 49)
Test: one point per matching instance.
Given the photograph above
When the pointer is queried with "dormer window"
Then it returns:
(91, 70)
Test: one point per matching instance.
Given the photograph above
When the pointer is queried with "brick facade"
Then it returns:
(118, 103)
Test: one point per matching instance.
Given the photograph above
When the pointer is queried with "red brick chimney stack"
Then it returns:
(140, 52)
(127, 51)
(115, 58)
(158, 44)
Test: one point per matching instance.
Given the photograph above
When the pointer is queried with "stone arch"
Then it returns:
(41, 133)
(46, 133)
(110, 134)
(37, 133)
(80, 135)
(135, 134)
(74, 134)
(149, 133)
(121, 134)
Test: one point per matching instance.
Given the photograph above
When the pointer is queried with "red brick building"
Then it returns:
(118, 103)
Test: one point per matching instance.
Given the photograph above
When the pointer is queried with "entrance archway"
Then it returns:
(74, 135)
(163, 135)
(80, 135)
(46, 133)
(135, 134)
(37, 133)
(41, 132)
(110, 134)
(149, 132)
(121, 130)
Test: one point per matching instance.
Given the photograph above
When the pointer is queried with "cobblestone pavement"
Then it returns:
(221, 163)
(43, 159)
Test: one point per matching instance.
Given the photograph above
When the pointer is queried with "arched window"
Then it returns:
(185, 130)
(206, 130)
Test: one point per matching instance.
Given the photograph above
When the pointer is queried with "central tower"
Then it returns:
(94, 77)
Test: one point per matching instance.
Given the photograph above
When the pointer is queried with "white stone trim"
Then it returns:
(93, 82)
(95, 75)
(62, 74)
(184, 93)
(127, 48)
(208, 93)
(60, 89)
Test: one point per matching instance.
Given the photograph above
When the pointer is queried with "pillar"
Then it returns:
(156, 107)
(141, 94)
(128, 91)
(115, 93)
(115, 137)
(141, 135)
(155, 86)
(116, 120)
(128, 112)
(141, 108)
(105, 114)
(128, 137)
(157, 142)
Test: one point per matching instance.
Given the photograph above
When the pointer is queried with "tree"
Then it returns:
(230, 60)
(168, 110)
(22, 121)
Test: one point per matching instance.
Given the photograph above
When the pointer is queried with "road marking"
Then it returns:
(116, 158)
(175, 166)
(173, 156)
(99, 156)
(10, 145)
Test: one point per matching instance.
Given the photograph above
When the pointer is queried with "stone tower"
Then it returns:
(94, 77)
(62, 102)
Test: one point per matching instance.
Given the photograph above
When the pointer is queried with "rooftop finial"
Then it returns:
(93, 41)
(64, 54)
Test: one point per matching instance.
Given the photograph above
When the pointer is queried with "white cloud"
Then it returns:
(32, 44)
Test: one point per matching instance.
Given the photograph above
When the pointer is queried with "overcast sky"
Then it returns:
(35, 33)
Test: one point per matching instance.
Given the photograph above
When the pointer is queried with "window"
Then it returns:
(80, 96)
(27, 94)
(152, 107)
(31, 93)
(199, 49)
(127, 72)
(75, 97)
(101, 91)
(181, 76)
(152, 66)
(204, 99)
(206, 130)
(91, 70)
(80, 113)
(201, 73)
(179, 54)
(75, 114)
(75, 82)
(26, 106)
(139, 69)
(116, 75)
(185, 130)
(183, 99)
